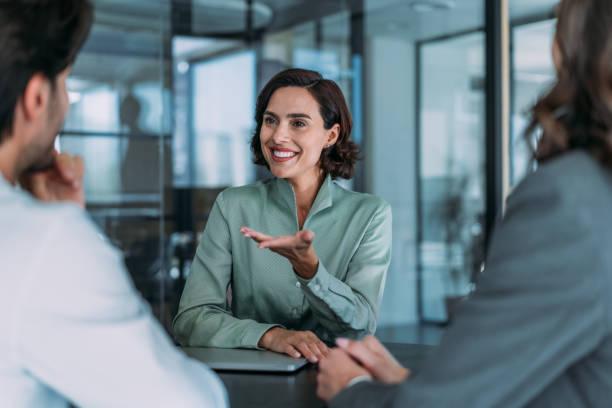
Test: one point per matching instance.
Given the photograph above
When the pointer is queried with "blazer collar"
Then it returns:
(285, 194)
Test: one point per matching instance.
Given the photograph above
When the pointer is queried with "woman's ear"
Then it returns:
(332, 135)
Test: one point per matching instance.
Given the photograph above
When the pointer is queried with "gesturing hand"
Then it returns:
(296, 248)
(62, 182)
(375, 358)
(294, 343)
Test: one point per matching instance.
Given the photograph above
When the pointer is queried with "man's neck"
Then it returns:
(8, 162)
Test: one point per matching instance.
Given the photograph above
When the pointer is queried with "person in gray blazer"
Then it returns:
(537, 332)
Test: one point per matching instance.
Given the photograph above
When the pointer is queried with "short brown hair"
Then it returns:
(338, 160)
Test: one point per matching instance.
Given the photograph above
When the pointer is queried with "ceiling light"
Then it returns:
(182, 67)
(425, 6)
(228, 16)
(74, 97)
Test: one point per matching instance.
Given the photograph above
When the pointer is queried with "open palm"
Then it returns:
(296, 248)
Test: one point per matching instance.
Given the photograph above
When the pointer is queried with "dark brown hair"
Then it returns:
(576, 113)
(37, 36)
(338, 160)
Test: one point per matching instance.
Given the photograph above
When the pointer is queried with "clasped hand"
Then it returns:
(353, 359)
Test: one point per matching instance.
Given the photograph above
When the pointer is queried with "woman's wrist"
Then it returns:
(266, 339)
(306, 267)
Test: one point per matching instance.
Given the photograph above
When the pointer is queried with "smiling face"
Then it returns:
(293, 135)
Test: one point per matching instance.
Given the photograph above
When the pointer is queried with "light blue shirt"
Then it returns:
(73, 327)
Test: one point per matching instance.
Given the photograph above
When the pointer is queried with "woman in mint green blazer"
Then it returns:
(306, 259)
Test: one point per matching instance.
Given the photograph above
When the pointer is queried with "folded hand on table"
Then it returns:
(294, 343)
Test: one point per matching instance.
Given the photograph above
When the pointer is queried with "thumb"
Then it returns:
(66, 168)
(359, 352)
(307, 236)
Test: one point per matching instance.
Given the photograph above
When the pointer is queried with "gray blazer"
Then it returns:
(538, 330)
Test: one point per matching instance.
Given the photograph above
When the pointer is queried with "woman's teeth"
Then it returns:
(283, 155)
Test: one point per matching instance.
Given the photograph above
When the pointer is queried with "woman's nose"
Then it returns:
(281, 135)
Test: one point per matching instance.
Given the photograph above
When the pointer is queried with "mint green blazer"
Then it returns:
(353, 243)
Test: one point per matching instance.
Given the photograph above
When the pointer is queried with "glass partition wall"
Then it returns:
(451, 169)
(471, 116)
(119, 122)
(162, 102)
(533, 72)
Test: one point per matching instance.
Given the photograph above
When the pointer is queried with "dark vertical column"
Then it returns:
(318, 35)
(418, 86)
(494, 107)
(248, 24)
(358, 97)
(182, 214)
(181, 12)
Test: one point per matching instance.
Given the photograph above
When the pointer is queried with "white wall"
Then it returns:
(391, 127)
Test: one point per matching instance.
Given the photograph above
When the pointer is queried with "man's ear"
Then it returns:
(36, 97)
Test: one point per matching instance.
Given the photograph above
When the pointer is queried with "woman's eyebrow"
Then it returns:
(289, 115)
(298, 115)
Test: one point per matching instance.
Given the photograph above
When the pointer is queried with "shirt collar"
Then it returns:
(322, 201)
(5, 186)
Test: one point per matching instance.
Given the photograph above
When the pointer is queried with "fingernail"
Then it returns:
(342, 342)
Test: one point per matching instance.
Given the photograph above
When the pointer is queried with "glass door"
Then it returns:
(451, 170)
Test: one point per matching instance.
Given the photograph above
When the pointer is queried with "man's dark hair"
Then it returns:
(338, 160)
(37, 36)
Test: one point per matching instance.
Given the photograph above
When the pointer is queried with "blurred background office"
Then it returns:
(162, 103)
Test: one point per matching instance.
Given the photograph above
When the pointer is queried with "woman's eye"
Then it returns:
(299, 124)
(269, 120)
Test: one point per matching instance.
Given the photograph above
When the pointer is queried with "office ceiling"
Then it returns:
(527, 8)
(128, 41)
(228, 16)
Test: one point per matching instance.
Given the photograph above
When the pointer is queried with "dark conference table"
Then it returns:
(298, 390)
